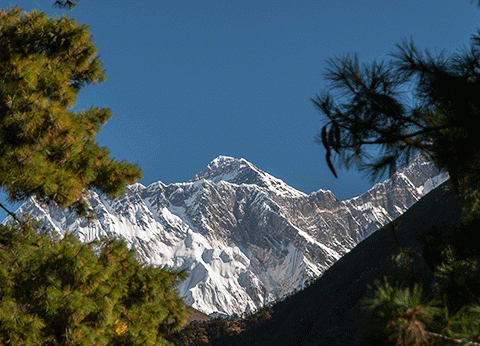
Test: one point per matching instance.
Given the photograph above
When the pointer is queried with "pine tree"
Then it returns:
(59, 292)
(63, 292)
(47, 149)
(372, 126)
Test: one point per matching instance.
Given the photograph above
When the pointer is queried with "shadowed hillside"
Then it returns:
(329, 311)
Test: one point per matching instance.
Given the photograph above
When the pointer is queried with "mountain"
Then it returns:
(246, 237)
(329, 311)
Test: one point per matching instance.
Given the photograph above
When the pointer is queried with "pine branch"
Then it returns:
(65, 4)
(397, 137)
(11, 214)
(14, 217)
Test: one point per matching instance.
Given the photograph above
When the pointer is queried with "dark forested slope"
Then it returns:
(329, 312)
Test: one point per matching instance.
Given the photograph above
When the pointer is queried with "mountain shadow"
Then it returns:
(329, 311)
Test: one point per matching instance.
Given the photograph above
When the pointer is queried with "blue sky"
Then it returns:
(191, 80)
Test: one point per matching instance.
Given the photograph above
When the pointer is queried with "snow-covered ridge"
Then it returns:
(240, 171)
(246, 237)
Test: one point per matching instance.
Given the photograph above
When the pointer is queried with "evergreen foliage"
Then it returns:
(64, 292)
(46, 148)
(59, 292)
(373, 124)
(367, 105)
(405, 314)
(65, 4)
(402, 313)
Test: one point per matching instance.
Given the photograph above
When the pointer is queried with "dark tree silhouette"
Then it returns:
(379, 114)
(65, 4)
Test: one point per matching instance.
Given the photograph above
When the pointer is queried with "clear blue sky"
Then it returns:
(191, 80)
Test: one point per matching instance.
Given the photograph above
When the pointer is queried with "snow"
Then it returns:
(237, 262)
(432, 183)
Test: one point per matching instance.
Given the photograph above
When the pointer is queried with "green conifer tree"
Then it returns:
(58, 292)
(371, 125)
(47, 149)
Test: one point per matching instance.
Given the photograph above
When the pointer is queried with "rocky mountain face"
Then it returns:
(245, 237)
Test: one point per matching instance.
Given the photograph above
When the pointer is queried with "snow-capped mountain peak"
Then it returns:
(246, 237)
(240, 171)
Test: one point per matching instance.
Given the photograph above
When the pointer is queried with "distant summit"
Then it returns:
(240, 171)
(246, 237)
